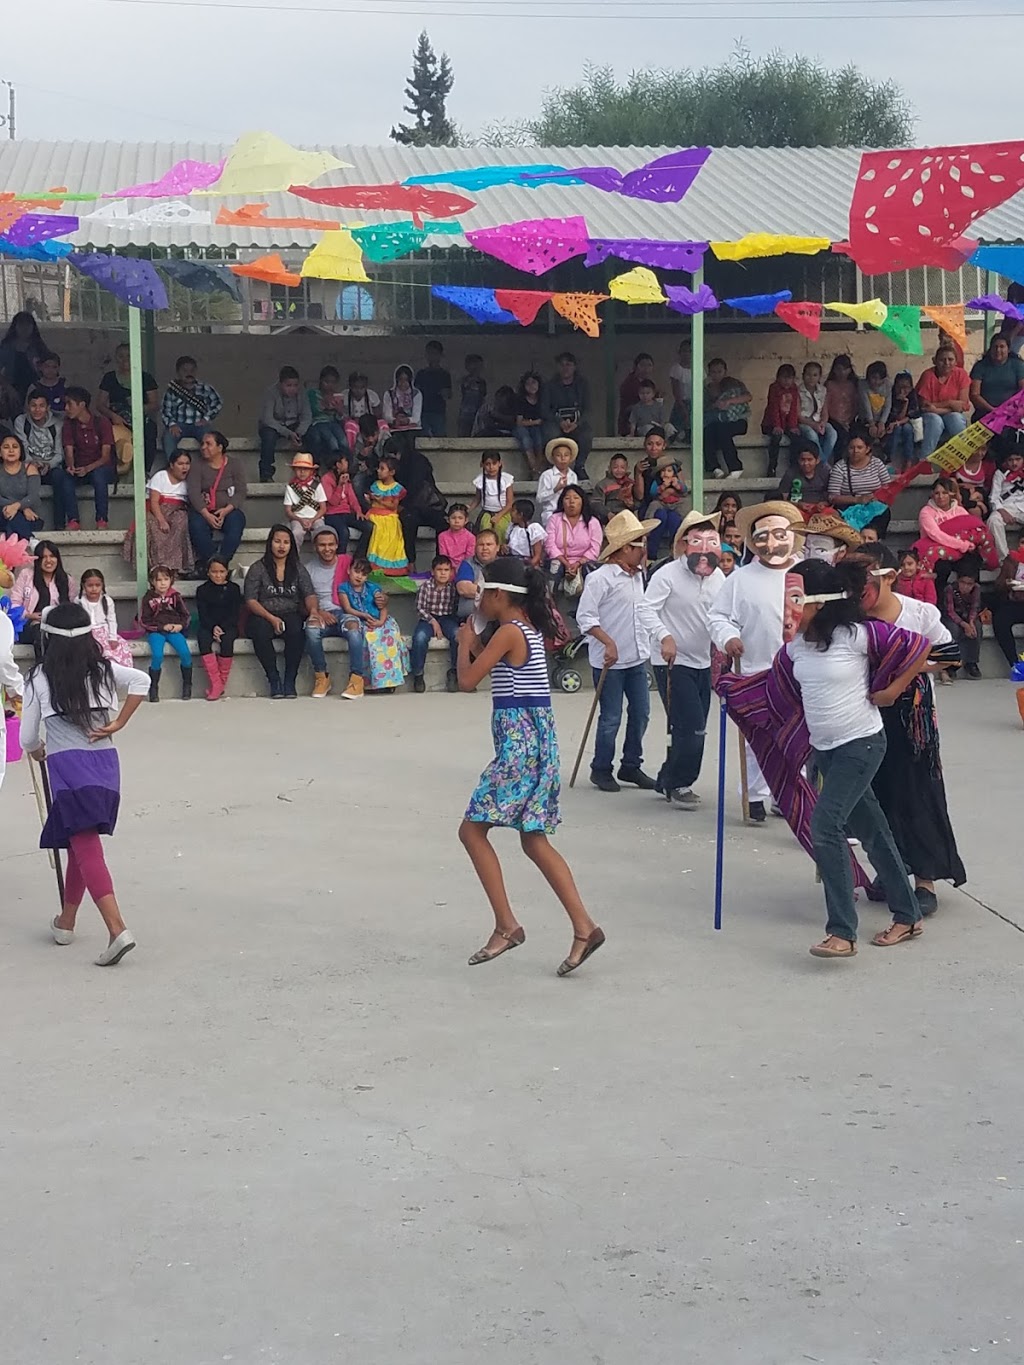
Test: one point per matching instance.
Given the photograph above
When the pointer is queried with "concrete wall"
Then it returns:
(241, 365)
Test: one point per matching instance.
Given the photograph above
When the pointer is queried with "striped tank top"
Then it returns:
(525, 686)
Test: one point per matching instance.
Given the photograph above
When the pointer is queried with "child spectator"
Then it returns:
(21, 504)
(814, 423)
(285, 416)
(874, 400)
(114, 402)
(472, 392)
(343, 511)
(41, 432)
(365, 453)
(913, 582)
(961, 612)
(648, 412)
(88, 456)
(904, 412)
(458, 542)
(358, 400)
(727, 562)
(806, 482)
(376, 651)
(387, 543)
(616, 488)
(841, 386)
(326, 435)
(561, 455)
(493, 496)
(573, 542)
(869, 535)
(497, 415)
(100, 610)
(403, 408)
(629, 389)
(189, 407)
(525, 536)
(530, 420)
(165, 619)
(667, 492)
(434, 383)
(51, 383)
(781, 414)
(219, 604)
(437, 609)
(305, 501)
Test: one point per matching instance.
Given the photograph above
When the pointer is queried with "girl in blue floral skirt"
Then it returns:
(519, 789)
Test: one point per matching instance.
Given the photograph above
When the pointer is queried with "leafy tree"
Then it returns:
(426, 91)
(773, 101)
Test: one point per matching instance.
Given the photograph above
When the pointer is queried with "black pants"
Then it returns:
(1005, 616)
(412, 519)
(720, 441)
(970, 649)
(775, 446)
(227, 641)
(688, 718)
(32, 635)
(261, 633)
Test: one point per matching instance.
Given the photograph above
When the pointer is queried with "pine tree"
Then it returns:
(426, 91)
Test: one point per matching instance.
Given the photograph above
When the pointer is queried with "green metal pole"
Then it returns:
(611, 394)
(697, 404)
(139, 460)
(149, 341)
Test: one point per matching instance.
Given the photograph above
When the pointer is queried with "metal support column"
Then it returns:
(697, 399)
(139, 460)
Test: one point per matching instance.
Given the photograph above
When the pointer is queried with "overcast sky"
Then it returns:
(164, 73)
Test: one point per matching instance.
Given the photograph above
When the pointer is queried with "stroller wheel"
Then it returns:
(569, 680)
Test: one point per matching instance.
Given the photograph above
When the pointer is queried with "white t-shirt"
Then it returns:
(521, 539)
(834, 684)
(162, 483)
(496, 489)
(923, 619)
(684, 378)
(291, 499)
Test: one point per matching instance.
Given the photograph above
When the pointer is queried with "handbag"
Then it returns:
(572, 584)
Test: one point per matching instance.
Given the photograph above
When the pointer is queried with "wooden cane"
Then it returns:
(44, 802)
(590, 721)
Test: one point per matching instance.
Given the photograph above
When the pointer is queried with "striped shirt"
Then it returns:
(846, 482)
(525, 686)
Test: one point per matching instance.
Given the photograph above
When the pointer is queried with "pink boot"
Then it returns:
(225, 671)
(216, 688)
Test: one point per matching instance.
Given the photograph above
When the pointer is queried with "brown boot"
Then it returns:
(321, 684)
(354, 690)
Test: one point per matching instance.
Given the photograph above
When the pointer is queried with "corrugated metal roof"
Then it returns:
(800, 190)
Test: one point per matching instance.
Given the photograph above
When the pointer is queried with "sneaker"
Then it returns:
(418, 685)
(944, 679)
(355, 688)
(74, 526)
(321, 684)
(115, 951)
(736, 474)
(604, 782)
(973, 671)
(451, 682)
(757, 813)
(636, 777)
(102, 525)
(685, 799)
(718, 474)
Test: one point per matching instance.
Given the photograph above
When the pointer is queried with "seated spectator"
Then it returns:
(365, 453)
(387, 546)
(190, 406)
(1009, 607)
(327, 572)
(458, 542)
(88, 458)
(948, 339)
(646, 470)
(680, 377)
(494, 495)
(99, 608)
(470, 576)
(975, 477)
(497, 415)
(781, 415)
(948, 532)
(726, 410)
(874, 401)
(403, 409)
(167, 511)
(217, 492)
(648, 411)
(814, 423)
(472, 392)
(869, 535)
(806, 482)
(1007, 501)
(359, 400)
(285, 416)
(22, 350)
(279, 594)
(961, 611)
(913, 581)
(305, 501)
(616, 489)
(995, 378)
(727, 507)
(41, 432)
(40, 586)
(843, 389)
(326, 435)
(566, 403)
(667, 494)
(857, 476)
(377, 656)
(114, 402)
(21, 503)
(422, 505)
(573, 542)
(344, 510)
(629, 392)
(437, 610)
(529, 410)
(526, 537)
(434, 384)
(165, 619)
(51, 382)
(904, 415)
(944, 394)
(560, 455)
(219, 607)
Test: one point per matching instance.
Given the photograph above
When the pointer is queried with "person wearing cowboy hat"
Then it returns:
(305, 501)
(829, 537)
(619, 623)
(681, 593)
(746, 617)
(560, 475)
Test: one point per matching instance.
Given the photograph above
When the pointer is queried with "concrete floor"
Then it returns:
(293, 1128)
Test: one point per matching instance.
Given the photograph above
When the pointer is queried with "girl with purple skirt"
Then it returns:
(72, 693)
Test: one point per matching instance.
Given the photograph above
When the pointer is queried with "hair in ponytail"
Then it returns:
(847, 578)
(537, 605)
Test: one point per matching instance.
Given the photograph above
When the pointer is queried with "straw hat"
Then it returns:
(303, 461)
(692, 519)
(747, 516)
(624, 529)
(551, 446)
(832, 525)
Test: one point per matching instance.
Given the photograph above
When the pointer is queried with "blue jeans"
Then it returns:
(530, 440)
(202, 533)
(422, 635)
(899, 445)
(629, 684)
(847, 803)
(315, 636)
(940, 426)
(268, 452)
(158, 640)
(826, 442)
(19, 525)
(687, 720)
(670, 522)
(189, 431)
(65, 493)
(434, 423)
(325, 441)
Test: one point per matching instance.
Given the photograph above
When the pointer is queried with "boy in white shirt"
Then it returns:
(304, 499)
(560, 454)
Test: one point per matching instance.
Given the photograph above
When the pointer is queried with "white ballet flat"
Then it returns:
(61, 936)
(115, 951)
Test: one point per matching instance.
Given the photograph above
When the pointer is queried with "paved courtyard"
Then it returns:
(294, 1128)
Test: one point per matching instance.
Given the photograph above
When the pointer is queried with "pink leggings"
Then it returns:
(86, 869)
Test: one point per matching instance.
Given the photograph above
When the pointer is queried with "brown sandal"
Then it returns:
(513, 940)
(593, 941)
(910, 931)
(823, 950)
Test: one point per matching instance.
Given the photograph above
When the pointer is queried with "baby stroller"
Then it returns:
(567, 659)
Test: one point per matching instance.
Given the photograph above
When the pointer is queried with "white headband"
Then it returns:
(506, 587)
(880, 573)
(67, 634)
(827, 597)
